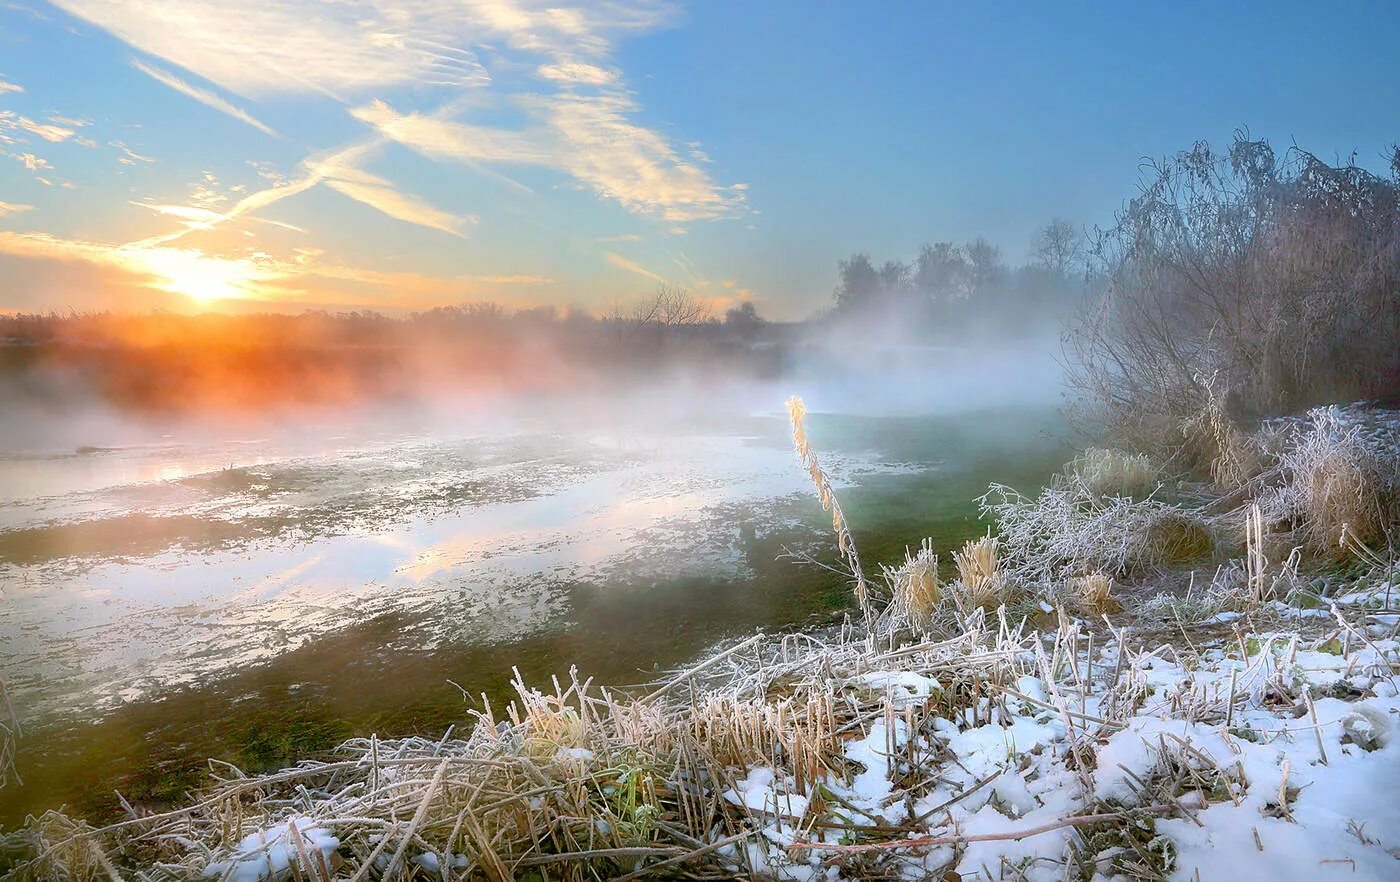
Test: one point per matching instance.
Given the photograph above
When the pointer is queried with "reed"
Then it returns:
(846, 543)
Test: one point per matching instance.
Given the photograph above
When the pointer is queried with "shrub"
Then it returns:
(1278, 277)
(1067, 531)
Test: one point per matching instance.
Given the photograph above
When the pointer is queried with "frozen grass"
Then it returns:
(1336, 482)
(1067, 531)
(1093, 593)
(914, 587)
(1211, 437)
(1106, 472)
(990, 749)
(981, 583)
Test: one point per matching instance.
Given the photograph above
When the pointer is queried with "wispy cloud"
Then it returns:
(11, 121)
(178, 270)
(438, 138)
(631, 266)
(577, 73)
(13, 208)
(382, 196)
(32, 162)
(340, 170)
(588, 137)
(203, 96)
(625, 237)
(337, 47)
(6, 86)
(203, 218)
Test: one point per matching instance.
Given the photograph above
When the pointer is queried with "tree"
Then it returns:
(894, 278)
(985, 267)
(743, 318)
(1056, 248)
(859, 286)
(672, 307)
(941, 272)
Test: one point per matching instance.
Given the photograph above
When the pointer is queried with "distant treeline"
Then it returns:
(169, 362)
(950, 291)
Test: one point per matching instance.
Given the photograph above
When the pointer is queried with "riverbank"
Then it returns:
(1143, 676)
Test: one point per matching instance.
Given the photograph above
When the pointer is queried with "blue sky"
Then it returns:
(397, 154)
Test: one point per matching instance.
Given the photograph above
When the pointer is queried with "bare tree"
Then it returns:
(985, 267)
(1057, 247)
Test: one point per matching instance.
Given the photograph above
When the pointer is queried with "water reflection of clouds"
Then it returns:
(469, 569)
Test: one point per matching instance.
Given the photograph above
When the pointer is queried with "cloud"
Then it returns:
(381, 195)
(625, 237)
(193, 214)
(32, 162)
(632, 164)
(197, 218)
(11, 121)
(588, 137)
(577, 73)
(255, 48)
(340, 170)
(621, 262)
(178, 270)
(10, 87)
(203, 96)
(13, 208)
(440, 139)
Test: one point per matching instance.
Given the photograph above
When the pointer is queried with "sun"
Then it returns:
(201, 277)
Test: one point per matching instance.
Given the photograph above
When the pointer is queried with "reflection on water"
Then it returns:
(253, 601)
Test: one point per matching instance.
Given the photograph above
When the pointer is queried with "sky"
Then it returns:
(397, 155)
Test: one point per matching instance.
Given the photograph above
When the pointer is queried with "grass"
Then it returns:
(981, 583)
(1106, 472)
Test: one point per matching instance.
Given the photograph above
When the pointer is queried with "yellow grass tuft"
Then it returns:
(914, 587)
(1094, 593)
(1177, 538)
(981, 584)
(1114, 472)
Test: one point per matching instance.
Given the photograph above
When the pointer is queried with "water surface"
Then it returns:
(257, 600)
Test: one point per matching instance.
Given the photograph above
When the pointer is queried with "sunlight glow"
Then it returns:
(200, 277)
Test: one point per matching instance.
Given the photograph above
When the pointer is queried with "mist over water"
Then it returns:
(163, 571)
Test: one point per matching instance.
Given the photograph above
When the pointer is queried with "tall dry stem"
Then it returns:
(845, 542)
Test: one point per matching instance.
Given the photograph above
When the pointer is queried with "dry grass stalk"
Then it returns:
(1337, 485)
(1233, 457)
(846, 543)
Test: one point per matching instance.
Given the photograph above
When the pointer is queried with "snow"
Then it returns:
(1009, 768)
(268, 854)
(906, 687)
(762, 791)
